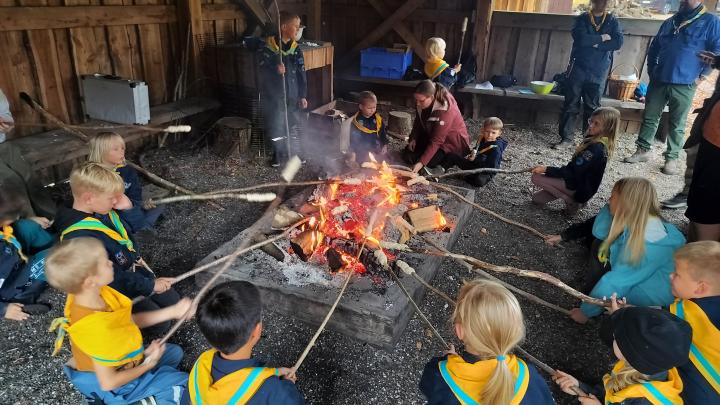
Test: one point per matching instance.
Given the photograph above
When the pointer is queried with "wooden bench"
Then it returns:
(520, 105)
(53, 153)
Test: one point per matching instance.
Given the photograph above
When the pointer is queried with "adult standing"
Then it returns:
(675, 71)
(704, 195)
(596, 35)
(438, 129)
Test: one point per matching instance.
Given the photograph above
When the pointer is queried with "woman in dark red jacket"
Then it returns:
(438, 129)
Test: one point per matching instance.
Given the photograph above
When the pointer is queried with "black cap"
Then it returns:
(651, 340)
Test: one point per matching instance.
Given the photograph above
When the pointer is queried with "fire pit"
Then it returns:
(350, 221)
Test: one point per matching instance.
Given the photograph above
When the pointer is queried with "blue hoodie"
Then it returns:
(646, 283)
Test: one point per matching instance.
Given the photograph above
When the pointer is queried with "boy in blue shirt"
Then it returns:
(368, 132)
(487, 153)
(230, 318)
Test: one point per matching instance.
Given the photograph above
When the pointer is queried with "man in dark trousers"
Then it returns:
(596, 35)
(675, 71)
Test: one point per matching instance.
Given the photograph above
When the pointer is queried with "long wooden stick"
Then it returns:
(462, 39)
(538, 275)
(544, 367)
(277, 184)
(171, 128)
(433, 289)
(490, 212)
(264, 197)
(481, 170)
(489, 276)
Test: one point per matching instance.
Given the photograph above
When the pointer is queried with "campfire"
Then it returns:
(349, 220)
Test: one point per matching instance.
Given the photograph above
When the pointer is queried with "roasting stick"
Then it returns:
(544, 367)
(170, 128)
(368, 231)
(481, 170)
(462, 39)
(489, 276)
(73, 131)
(285, 99)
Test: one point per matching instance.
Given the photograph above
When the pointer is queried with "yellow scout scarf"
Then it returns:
(685, 23)
(467, 380)
(705, 349)
(272, 44)
(592, 20)
(111, 338)
(119, 234)
(361, 127)
(7, 235)
(234, 388)
(434, 67)
(657, 392)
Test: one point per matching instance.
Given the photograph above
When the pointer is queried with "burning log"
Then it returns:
(427, 219)
(305, 243)
(284, 217)
(270, 248)
(335, 260)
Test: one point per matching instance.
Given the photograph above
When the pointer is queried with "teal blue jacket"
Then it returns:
(644, 284)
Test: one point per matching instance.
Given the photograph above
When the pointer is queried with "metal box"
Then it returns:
(114, 99)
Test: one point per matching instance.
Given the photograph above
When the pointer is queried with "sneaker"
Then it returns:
(640, 155)
(565, 144)
(679, 200)
(671, 167)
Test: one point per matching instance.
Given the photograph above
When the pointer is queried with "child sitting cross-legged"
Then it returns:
(634, 258)
(23, 247)
(696, 284)
(108, 148)
(230, 318)
(649, 344)
(487, 153)
(489, 322)
(96, 191)
(368, 132)
(109, 364)
(578, 181)
(436, 69)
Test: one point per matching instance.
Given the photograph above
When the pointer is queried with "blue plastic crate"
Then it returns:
(384, 63)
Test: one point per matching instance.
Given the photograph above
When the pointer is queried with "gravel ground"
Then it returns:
(340, 370)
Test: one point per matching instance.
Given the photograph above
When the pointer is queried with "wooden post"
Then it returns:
(483, 21)
(190, 18)
(315, 19)
(711, 5)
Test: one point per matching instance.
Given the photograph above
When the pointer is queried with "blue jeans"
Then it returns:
(138, 218)
(164, 382)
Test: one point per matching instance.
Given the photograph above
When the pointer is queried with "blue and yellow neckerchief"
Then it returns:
(467, 380)
(108, 337)
(434, 67)
(657, 392)
(236, 388)
(272, 44)
(704, 350)
(592, 20)
(687, 22)
(119, 234)
(7, 235)
(361, 127)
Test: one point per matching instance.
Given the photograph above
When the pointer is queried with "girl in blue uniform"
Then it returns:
(489, 322)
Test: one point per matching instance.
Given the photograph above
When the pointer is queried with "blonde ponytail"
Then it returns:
(492, 324)
(624, 378)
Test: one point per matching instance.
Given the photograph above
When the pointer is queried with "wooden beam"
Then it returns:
(190, 13)
(401, 29)
(42, 18)
(227, 11)
(315, 19)
(257, 10)
(408, 7)
(483, 22)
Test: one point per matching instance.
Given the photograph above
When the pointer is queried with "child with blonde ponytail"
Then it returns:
(636, 247)
(489, 322)
(649, 343)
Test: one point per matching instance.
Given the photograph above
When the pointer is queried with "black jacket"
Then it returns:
(584, 172)
(295, 76)
(130, 280)
(703, 113)
(589, 52)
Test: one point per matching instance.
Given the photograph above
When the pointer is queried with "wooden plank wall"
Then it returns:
(45, 56)
(537, 46)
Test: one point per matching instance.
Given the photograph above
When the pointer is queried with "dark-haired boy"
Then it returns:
(368, 132)
(230, 318)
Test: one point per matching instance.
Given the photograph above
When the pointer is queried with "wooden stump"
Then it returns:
(233, 136)
(399, 124)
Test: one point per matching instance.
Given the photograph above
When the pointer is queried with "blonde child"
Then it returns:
(649, 343)
(368, 132)
(489, 322)
(97, 191)
(578, 181)
(108, 148)
(109, 362)
(635, 256)
(436, 68)
(696, 284)
(230, 318)
(487, 153)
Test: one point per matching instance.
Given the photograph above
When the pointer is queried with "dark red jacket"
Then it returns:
(444, 129)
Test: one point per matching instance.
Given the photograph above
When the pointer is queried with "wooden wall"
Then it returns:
(537, 46)
(47, 47)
